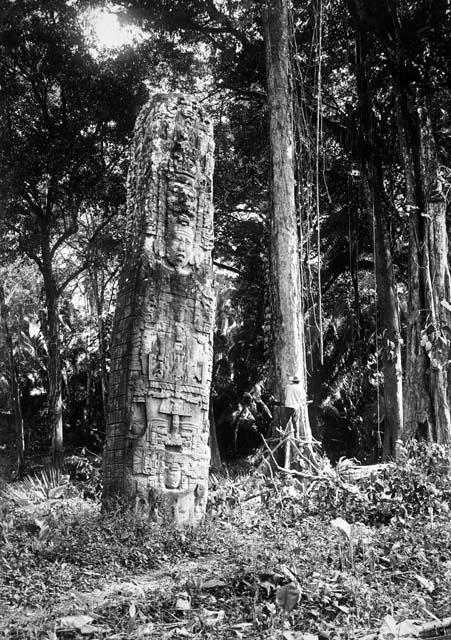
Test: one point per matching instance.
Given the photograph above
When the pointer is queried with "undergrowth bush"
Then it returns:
(44, 484)
(85, 472)
(418, 485)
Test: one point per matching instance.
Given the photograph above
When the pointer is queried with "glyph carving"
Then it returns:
(157, 434)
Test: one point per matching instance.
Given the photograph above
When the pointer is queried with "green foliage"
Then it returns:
(67, 113)
(43, 485)
(85, 473)
(419, 487)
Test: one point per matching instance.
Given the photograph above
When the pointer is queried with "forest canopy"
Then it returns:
(369, 98)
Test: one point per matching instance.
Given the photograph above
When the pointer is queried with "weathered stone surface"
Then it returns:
(157, 433)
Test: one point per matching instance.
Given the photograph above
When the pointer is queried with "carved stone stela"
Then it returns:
(157, 428)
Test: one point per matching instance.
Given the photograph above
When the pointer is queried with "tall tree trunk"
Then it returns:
(103, 370)
(55, 401)
(378, 210)
(437, 283)
(96, 299)
(427, 386)
(286, 299)
(15, 389)
(215, 461)
(388, 319)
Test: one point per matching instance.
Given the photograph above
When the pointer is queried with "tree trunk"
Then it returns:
(388, 319)
(427, 385)
(55, 401)
(437, 284)
(216, 461)
(103, 370)
(378, 213)
(285, 285)
(96, 301)
(15, 389)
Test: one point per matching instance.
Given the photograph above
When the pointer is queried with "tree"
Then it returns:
(13, 379)
(371, 148)
(65, 120)
(413, 41)
(287, 314)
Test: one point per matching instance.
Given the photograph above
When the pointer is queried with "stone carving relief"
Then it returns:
(157, 436)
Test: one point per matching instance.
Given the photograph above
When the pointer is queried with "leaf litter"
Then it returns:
(274, 559)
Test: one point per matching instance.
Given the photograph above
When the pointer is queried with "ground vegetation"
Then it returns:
(354, 552)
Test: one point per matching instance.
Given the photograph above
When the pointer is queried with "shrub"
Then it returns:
(419, 485)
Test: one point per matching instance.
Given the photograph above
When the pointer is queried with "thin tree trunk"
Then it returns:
(55, 402)
(388, 320)
(215, 460)
(98, 304)
(15, 389)
(103, 370)
(286, 299)
(88, 409)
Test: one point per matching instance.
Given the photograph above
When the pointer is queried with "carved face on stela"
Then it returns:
(180, 242)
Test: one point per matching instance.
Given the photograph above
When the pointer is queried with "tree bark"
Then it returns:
(14, 382)
(378, 214)
(427, 379)
(286, 300)
(388, 318)
(52, 336)
(216, 461)
(96, 302)
(427, 387)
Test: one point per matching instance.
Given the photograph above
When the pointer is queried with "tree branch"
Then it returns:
(70, 231)
(220, 265)
(72, 276)
(85, 262)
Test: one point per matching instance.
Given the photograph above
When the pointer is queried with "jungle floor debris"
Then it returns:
(365, 559)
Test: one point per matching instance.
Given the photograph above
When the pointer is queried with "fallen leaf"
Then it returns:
(144, 630)
(389, 628)
(57, 492)
(74, 622)
(343, 608)
(406, 628)
(213, 583)
(427, 584)
(343, 526)
(212, 618)
(267, 586)
(88, 629)
(183, 602)
(298, 635)
(287, 596)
